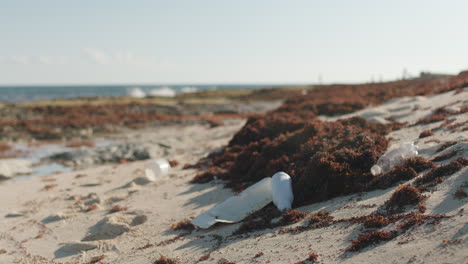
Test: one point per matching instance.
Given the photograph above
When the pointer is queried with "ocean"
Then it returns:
(34, 93)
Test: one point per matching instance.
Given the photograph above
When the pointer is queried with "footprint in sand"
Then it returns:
(113, 226)
(92, 198)
(77, 247)
(57, 217)
(114, 199)
(73, 248)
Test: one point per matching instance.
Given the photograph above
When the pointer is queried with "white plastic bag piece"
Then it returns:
(237, 207)
(156, 168)
(282, 191)
(394, 157)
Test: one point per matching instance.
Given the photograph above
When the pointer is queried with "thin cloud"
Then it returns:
(96, 56)
(46, 60)
(32, 59)
(120, 57)
(16, 59)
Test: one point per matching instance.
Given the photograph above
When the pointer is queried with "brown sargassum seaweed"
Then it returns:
(324, 159)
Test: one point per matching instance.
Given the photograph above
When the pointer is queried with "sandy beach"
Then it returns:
(105, 214)
(233, 132)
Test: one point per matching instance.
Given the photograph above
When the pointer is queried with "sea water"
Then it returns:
(34, 93)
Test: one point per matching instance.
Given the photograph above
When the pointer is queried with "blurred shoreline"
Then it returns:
(30, 93)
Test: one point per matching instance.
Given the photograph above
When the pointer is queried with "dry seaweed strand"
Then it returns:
(185, 224)
(117, 208)
(225, 261)
(446, 155)
(446, 145)
(262, 219)
(419, 164)
(439, 114)
(404, 195)
(311, 258)
(259, 254)
(147, 245)
(165, 260)
(316, 220)
(376, 221)
(454, 126)
(438, 174)
(49, 187)
(204, 257)
(409, 220)
(370, 221)
(372, 237)
(395, 175)
(293, 216)
(173, 163)
(426, 133)
(258, 220)
(91, 207)
(172, 240)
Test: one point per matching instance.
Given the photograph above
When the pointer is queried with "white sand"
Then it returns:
(50, 224)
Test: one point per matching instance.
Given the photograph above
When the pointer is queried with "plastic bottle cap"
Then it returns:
(376, 170)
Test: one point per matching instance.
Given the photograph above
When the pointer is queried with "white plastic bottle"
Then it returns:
(282, 191)
(394, 157)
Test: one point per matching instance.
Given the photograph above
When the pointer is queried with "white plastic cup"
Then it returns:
(157, 168)
(237, 207)
(282, 191)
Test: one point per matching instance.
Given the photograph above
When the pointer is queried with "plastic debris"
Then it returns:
(394, 157)
(156, 168)
(12, 167)
(282, 191)
(236, 208)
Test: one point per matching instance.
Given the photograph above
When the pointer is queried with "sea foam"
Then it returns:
(163, 91)
(136, 92)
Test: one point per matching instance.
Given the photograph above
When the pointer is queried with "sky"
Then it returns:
(228, 42)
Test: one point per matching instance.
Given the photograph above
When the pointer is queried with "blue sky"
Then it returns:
(218, 41)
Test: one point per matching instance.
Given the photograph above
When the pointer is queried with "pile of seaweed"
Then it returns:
(48, 122)
(324, 159)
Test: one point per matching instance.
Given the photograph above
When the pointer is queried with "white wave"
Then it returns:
(163, 91)
(189, 89)
(136, 92)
